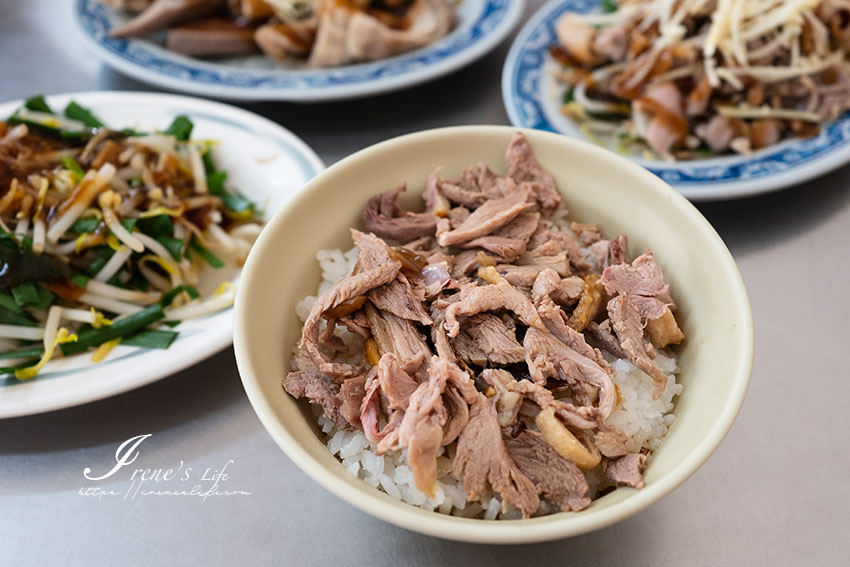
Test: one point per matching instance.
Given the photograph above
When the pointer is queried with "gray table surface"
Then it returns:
(775, 493)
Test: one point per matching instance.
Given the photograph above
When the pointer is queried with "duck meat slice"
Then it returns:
(626, 470)
(626, 322)
(618, 251)
(351, 394)
(488, 218)
(212, 37)
(482, 457)
(547, 357)
(643, 281)
(523, 167)
(347, 289)
(384, 217)
(605, 337)
(421, 429)
(508, 242)
(548, 242)
(556, 322)
(555, 477)
(549, 283)
(495, 186)
(388, 382)
(478, 299)
(306, 381)
(162, 14)
(396, 297)
(488, 339)
(611, 441)
(399, 336)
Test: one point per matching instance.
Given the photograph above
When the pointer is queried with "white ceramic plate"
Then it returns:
(266, 162)
(532, 100)
(482, 25)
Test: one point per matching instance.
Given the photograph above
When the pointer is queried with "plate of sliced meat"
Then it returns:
(667, 89)
(300, 50)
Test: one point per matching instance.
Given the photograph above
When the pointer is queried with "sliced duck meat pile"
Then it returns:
(483, 323)
(324, 33)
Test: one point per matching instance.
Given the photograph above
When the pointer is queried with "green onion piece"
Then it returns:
(609, 6)
(173, 245)
(8, 317)
(173, 293)
(209, 164)
(180, 128)
(23, 353)
(50, 130)
(84, 225)
(8, 302)
(26, 294)
(235, 203)
(129, 224)
(118, 328)
(96, 266)
(151, 339)
(157, 226)
(84, 115)
(38, 104)
(569, 96)
(131, 132)
(80, 280)
(207, 256)
(70, 163)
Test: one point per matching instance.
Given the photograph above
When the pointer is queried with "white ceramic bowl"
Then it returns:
(598, 186)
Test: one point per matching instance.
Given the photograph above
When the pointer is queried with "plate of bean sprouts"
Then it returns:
(125, 219)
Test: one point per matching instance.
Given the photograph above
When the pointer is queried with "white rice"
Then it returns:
(642, 419)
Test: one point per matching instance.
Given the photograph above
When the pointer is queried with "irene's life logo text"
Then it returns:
(176, 480)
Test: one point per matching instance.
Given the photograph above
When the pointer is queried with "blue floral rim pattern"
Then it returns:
(523, 92)
(96, 21)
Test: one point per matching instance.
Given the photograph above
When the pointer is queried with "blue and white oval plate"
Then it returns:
(265, 162)
(482, 25)
(532, 99)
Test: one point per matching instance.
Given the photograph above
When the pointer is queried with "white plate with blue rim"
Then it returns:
(533, 98)
(264, 161)
(482, 25)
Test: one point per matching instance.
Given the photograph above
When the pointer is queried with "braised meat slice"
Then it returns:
(626, 470)
(400, 337)
(305, 381)
(523, 166)
(509, 241)
(478, 299)
(390, 384)
(643, 281)
(482, 457)
(610, 441)
(486, 338)
(396, 297)
(555, 477)
(488, 218)
(346, 289)
(625, 320)
(547, 357)
(384, 217)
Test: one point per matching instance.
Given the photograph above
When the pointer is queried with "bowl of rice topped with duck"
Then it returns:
(514, 340)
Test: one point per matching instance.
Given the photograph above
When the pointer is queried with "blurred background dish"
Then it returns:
(533, 98)
(481, 25)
